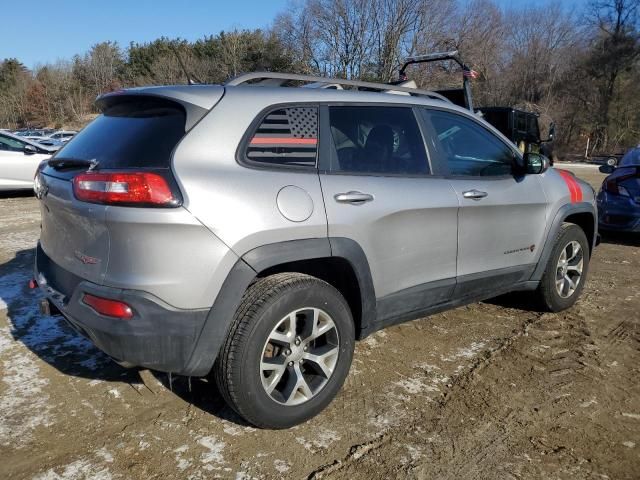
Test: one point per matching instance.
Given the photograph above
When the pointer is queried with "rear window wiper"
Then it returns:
(67, 163)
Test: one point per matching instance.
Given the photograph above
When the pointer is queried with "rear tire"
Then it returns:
(288, 351)
(566, 271)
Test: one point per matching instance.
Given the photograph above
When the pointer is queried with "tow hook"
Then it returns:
(45, 307)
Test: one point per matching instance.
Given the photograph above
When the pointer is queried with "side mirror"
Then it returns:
(29, 150)
(536, 163)
(552, 131)
(607, 169)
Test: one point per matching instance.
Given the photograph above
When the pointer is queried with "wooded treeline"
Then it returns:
(579, 67)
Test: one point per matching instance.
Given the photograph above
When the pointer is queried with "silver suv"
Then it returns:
(253, 231)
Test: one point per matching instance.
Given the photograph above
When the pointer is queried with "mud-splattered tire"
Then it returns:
(288, 351)
(566, 270)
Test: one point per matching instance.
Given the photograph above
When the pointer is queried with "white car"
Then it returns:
(63, 135)
(19, 159)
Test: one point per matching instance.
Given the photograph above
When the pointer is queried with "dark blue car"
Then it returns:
(619, 198)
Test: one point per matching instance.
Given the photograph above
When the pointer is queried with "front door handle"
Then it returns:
(474, 194)
(356, 198)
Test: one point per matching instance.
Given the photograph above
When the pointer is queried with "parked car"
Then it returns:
(522, 128)
(19, 159)
(40, 132)
(63, 135)
(619, 197)
(258, 250)
(49, 142)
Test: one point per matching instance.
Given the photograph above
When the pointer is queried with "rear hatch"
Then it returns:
(123, 158)
(629, 179)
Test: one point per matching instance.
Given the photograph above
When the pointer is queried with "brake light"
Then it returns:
(613, 186)
(124, 188)
(110, 308)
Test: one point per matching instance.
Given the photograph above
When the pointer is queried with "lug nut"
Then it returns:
(305, 348)
(301, 361)
(287, 352)
(297, 341)
(291, 364)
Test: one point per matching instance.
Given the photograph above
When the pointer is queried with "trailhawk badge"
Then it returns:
(531, 248)
(86, 259)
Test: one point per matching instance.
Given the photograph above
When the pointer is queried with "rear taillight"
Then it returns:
(124, 188)
(613, 186)
(110, 308)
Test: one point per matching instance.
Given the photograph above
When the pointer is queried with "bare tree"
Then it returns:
(615, 50)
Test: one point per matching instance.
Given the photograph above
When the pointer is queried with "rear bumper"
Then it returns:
(618, 220)
(158, 336)
(617, 213)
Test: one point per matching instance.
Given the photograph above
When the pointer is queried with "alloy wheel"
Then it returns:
(569, 269)
(299, 356)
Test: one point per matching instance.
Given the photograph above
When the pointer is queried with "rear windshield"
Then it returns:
(632, 157)
(134, 133)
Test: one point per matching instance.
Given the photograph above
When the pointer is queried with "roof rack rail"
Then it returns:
(278, 79)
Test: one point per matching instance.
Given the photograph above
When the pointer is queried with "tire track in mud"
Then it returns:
(512, 414)
(359, 461)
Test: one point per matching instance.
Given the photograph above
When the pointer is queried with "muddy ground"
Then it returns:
(491, 390)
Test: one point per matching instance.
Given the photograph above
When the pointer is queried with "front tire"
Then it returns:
(566, 271)
(288, 351)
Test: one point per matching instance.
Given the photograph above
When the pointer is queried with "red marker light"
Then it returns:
(107, 307)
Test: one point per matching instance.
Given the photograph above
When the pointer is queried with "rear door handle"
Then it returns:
(356, 198)
(474, 194)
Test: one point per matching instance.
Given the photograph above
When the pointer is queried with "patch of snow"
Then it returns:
(24, 405)
(281, 466)
(115, 393)
(214, 450)
(415, 385)
(629, 444)
(235, 430)
(28, 332)
(635, 416)
(80, 469)
(321, 440)
(468, 352)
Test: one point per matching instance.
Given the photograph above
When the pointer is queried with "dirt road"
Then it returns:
(491, 390)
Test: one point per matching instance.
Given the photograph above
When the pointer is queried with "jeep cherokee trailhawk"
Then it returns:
(253, 231)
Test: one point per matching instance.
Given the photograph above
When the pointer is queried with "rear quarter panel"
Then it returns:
(237, 203)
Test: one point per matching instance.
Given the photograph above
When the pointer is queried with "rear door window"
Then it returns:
(285, 137)
(377, 140)
(134, 133)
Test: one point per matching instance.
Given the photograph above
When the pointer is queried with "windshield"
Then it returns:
(632, 157)
(135, 133)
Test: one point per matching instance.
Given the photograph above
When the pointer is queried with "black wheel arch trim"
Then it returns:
(248, 268)
(561, 215)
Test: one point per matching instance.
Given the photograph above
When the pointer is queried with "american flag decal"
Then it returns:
(470, 73)
(286, 136)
